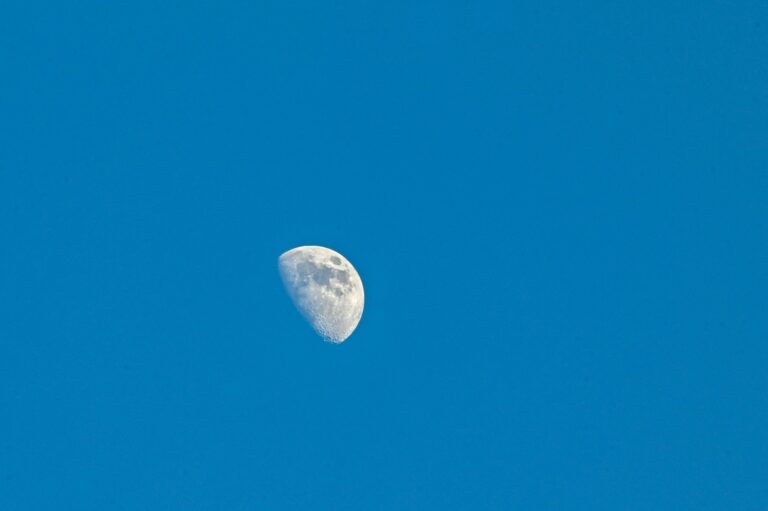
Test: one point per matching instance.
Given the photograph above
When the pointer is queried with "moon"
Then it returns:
(325, 288)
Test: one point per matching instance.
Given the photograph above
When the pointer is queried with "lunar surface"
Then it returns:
(326, 289)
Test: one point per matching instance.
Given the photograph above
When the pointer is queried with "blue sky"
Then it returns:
(558, 210)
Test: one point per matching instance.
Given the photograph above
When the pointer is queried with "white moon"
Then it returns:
(326, 289)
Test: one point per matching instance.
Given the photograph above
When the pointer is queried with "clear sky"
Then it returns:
(559, 211)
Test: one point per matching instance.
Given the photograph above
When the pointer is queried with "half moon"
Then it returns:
(325, 288)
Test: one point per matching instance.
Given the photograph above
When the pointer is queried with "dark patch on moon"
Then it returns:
(322, 275)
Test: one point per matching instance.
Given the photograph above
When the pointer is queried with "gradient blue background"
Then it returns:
(559, 211)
